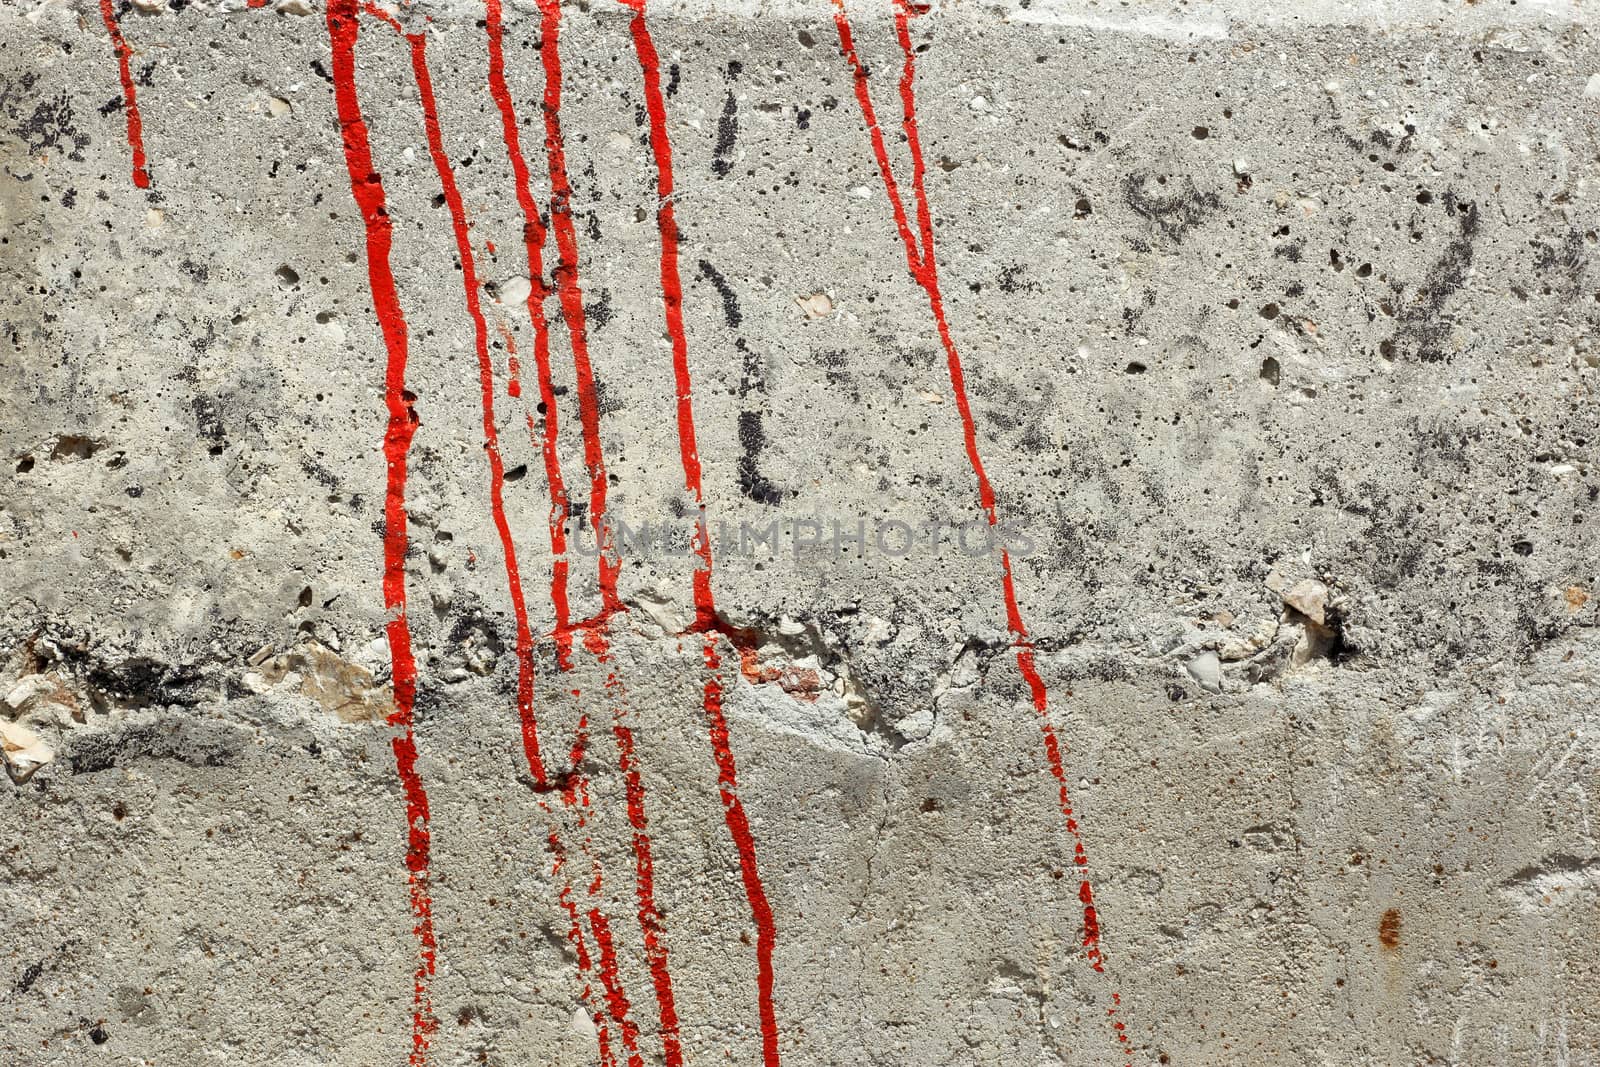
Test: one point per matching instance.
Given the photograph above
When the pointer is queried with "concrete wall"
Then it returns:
(1261, 338)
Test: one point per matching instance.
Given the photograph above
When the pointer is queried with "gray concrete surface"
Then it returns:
(1278, 324)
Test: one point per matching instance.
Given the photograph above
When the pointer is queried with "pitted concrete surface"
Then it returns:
(1277, 335)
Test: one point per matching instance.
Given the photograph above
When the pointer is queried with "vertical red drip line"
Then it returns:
(671, 286)
(651, 926)
(923, 265)
(597, 641)
(366, 188)
(908, 121)
(491, 437)
(571, 298)
(533, 239)
(744, 842)
(580, 948)
(130, 103)
(615, 997)
(575, 791)
(569, 290)
(706, 619)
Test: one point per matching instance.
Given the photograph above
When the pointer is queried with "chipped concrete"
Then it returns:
(1276, 329)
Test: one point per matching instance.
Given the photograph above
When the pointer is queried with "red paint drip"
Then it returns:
(513, 367)
(920, 259)
(580, 948)
(596, 640)
(671, 285)
(367, 189)
(533, 236)
(616, 999)
(370, 8)
(574, 787)
(923, 265)
(650, 922)
(130, 104)
(571, 297)
(744, 842)
(706, 618)
(571, 302)
(491, 437)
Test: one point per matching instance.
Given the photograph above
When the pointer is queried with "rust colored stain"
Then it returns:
(803, 683)
(1389, 929)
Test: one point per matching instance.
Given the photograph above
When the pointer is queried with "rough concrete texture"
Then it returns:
(1276, 337)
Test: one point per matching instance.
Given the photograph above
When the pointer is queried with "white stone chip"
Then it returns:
(1206, 669)
(515, 290)
(816, 306)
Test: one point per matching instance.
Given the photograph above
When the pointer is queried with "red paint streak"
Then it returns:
(744, 842)
(491, 437)
(923, 265)
(571, 296)
(920, 259)
(573, 787)
(533, 237)
(130, 105)
(650, 923)
(368, 7)
(367, 189)
(615, 998)
(580, 948)
(571, 303)
(513, 367)
(707, 620)
(671, 285)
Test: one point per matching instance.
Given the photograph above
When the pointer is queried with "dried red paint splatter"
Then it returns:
(367, 189)
(616, 999)
(571, 298)
(580, 948)
(923, 265)
(130, 102)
